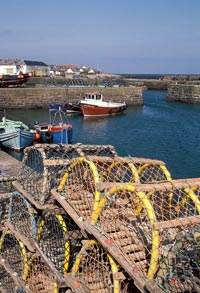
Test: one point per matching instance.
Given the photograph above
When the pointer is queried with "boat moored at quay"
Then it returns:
(15, 135)
(93, 105)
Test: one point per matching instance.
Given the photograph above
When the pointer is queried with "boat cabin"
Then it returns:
(94, 96)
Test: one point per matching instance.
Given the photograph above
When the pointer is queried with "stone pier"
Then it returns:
(185, 93)
(41, 97)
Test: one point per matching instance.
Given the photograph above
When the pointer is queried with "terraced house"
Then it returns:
(16, 66)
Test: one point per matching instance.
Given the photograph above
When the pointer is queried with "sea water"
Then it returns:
(161, 130)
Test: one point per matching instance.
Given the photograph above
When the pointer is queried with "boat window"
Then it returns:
(2, 130)
(98, 97)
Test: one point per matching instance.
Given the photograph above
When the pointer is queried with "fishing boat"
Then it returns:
(10, 80)
(93, 105)
(58, 130)
(15, 135)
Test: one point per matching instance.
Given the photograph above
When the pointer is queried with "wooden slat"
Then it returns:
(193, 220)
(119, 256)
(24, 240)
(68, 208)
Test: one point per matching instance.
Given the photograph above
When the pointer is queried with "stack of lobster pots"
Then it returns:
(81, 218)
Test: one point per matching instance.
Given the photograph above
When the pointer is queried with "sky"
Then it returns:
(116, 36)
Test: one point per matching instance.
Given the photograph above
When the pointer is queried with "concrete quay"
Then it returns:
(9, 166)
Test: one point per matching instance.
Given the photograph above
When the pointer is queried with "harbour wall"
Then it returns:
(38, 98)
(184, 93)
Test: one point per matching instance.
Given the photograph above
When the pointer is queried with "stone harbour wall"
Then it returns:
(37, 98)
(184, 93)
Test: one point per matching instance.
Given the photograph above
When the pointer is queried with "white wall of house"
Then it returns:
(38, 70)
(8, 69)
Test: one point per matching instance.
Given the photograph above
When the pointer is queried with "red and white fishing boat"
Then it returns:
(93, 105)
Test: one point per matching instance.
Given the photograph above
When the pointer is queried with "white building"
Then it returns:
(16, 66)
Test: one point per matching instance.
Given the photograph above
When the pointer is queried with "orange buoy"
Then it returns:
(37, 136)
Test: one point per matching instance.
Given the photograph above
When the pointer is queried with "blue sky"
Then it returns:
(117, 36)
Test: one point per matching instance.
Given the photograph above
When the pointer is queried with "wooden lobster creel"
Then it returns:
(22, 216)
(134, 170)
(144, 222)
(59, 239)
(78, 187)
(38, 277)
(96, 270)
(44, 165)
(84, 180)
(14, 253)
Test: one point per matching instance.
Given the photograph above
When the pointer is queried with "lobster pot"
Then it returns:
(115, 169)
(116, 218)
(59, 239)
(7, 283)
(130, 170)
(38, 277)
(13, 252)
(4, 206)
(179, 271)
(44, 165)
(97, 271)
(22, 215)
(79, 187)
(150, 171)
(177, 208)
(146, 221)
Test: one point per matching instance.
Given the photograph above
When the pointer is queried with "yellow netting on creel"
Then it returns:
(144, 221)
(7, 283)
(87, 178)
(138, 170)
(13, 252)
(96, 270)
(79, 187)
(115, 169)
(43, 166)
(22, 215)
(58, 240)
(38, 277)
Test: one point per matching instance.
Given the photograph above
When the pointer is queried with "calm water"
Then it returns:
(158, 130)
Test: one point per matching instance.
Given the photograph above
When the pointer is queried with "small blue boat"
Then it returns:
(57, 131)
(15, 135)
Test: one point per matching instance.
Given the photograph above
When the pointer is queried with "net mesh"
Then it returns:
(38, 277)
(13, 252)
(98, 271)
(59, 239)
(7, 283)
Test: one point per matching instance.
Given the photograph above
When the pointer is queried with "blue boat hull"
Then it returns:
(16, 139)
(63, 137)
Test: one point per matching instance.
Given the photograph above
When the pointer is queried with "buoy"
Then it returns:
(37, 136)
